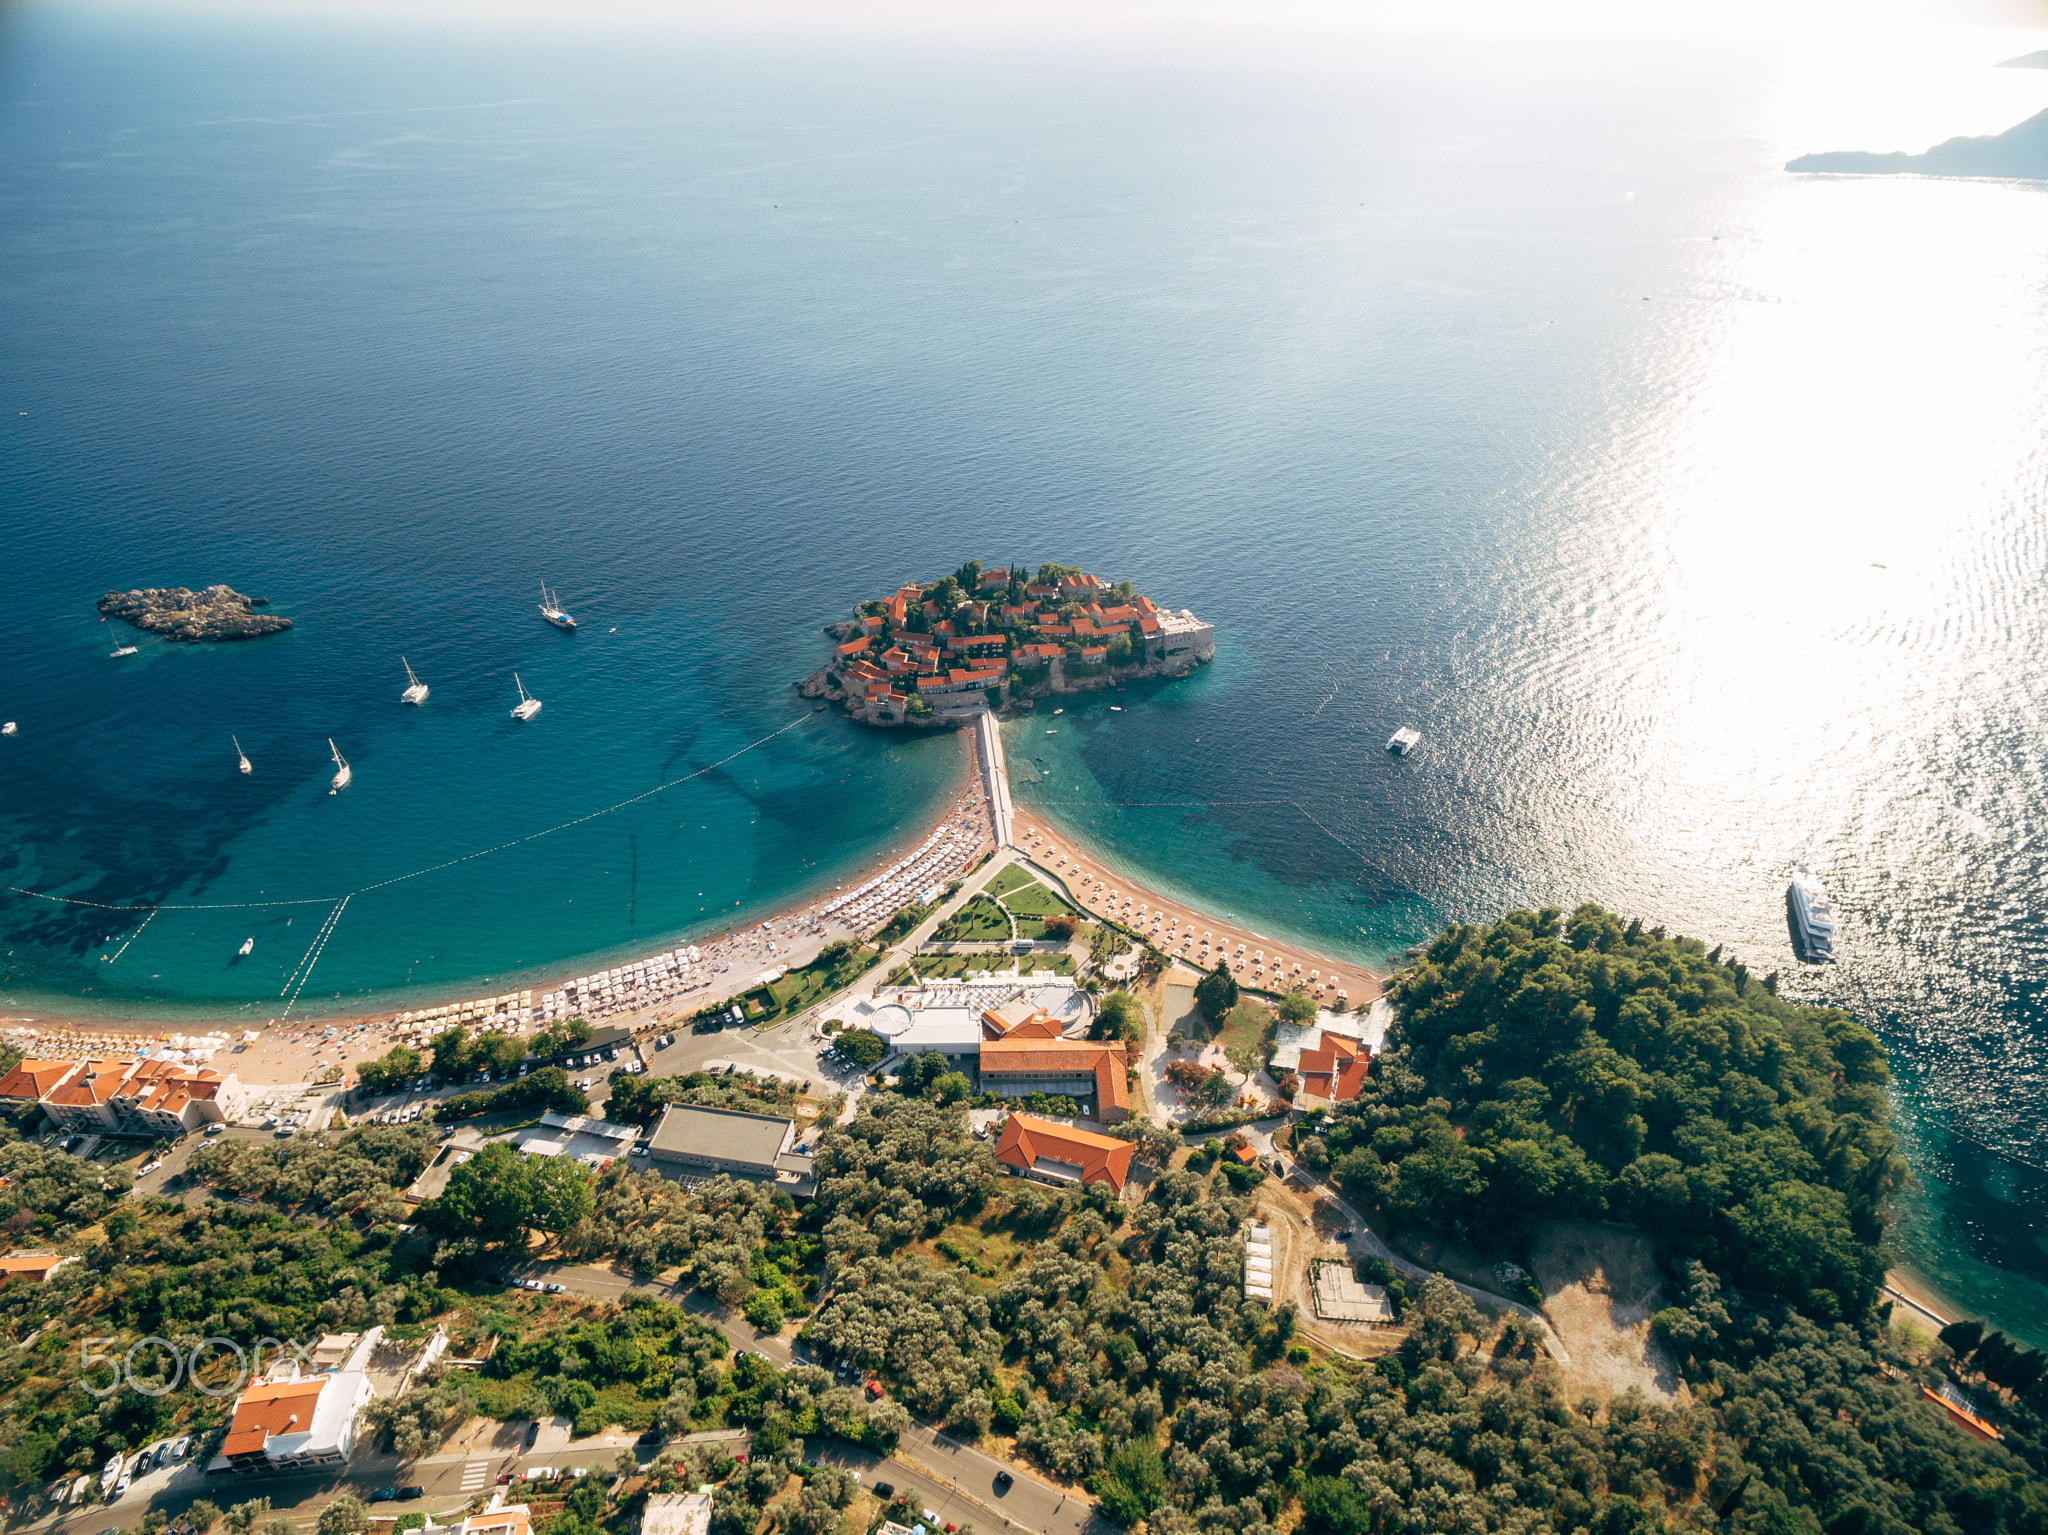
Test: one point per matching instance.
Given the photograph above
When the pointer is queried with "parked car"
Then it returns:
(637, 1151)
(885, 1491)
(1344, 1235)
(652, 1436)
(216, 1129)
(408, 1494)
(542, 1473)
(498, 1279)
(384, 1495)
(1003, 1481)
(147, 1168)
(163, 1453)
(181, 1447)
(556, 1289)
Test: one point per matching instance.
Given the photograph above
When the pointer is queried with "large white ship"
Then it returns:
(1812, 916)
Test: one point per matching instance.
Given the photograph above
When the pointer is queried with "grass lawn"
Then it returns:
(1011, 878)
(1058, 964)
(815, 981)
(1249, 1023)
(1036, 899)
(979, 920)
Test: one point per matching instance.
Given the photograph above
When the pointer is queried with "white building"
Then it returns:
(292, 1425)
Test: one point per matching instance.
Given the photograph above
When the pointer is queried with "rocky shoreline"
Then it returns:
(179, 613)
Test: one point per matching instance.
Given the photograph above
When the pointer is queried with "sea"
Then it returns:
(1504, 387)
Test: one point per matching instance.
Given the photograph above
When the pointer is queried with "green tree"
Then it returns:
(1119, 1017)
(203, 1515)
(764, 1310)
(562, 1195)
(489, 1198)
(1297, 1007)
(344, 1516)
(1216, 992)
(393, 1067)
(951, 1087)
(863, 1047)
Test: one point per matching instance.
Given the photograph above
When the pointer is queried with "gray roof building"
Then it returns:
(729, 1141)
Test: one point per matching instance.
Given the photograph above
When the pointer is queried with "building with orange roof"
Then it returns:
(137, 1097)
(33, 1081)
(1090, 653)
(32, 1266)
(1333, 1072)
(1053, 1153)
(85, 1103)
(517, 1519)
(855, 647)
(990, 579)
(1961, 1412)
(289, 1425)
(1015, 1067)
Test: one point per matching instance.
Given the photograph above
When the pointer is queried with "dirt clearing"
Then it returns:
(1600, 1289)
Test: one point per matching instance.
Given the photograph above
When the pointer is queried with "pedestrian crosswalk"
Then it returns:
(476, 1475)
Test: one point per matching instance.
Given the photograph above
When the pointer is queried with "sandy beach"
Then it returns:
(1198, 938)
(287, 1050)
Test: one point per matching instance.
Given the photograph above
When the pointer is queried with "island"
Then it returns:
(996, 638)
(2020, 152)
(179, 613)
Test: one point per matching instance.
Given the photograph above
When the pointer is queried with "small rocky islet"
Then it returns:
(179, 613)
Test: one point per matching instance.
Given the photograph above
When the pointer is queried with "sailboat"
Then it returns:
(343, 772)
(119, 650)
(551, 609)
(528, 706)
(242, 757)
(417, 692)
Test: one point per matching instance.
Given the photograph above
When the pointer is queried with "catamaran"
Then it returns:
(528, 706)
(417, 692)
(242, 757)
(343, 772)
(551, 609)
(1404, 740)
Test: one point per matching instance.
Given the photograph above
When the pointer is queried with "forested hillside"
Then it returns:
(1589, 1069)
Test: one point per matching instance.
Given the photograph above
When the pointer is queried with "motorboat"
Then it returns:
(551, 609)
(7, 729)
(1404, 741)
(416, 691)
(242, 757)
(343, 773)
(1811, 914)
(247, 945)
(528, 706)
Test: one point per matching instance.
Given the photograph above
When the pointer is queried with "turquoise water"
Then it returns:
(1509, 390)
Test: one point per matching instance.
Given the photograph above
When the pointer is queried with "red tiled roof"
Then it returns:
(35, 1265)
(1143, 605)
(1101, 1158)
(1336, 1071)
(1094, 652)
(1037, 1055)
(32, 1079)
(996, 577)
(855, 647)
(280, 1407)
(1148, 625)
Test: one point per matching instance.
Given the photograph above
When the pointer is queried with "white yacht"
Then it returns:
(343, 773)
(7, 729)
(119, 651)
(551, 609)
(528, 706)
(247, 945)
(1404, 741)
(242, 757)
(1813, 916)
(416, 693)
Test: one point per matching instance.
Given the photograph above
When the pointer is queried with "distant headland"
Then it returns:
(992, 638)
(2021, 152)
(179, 613)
